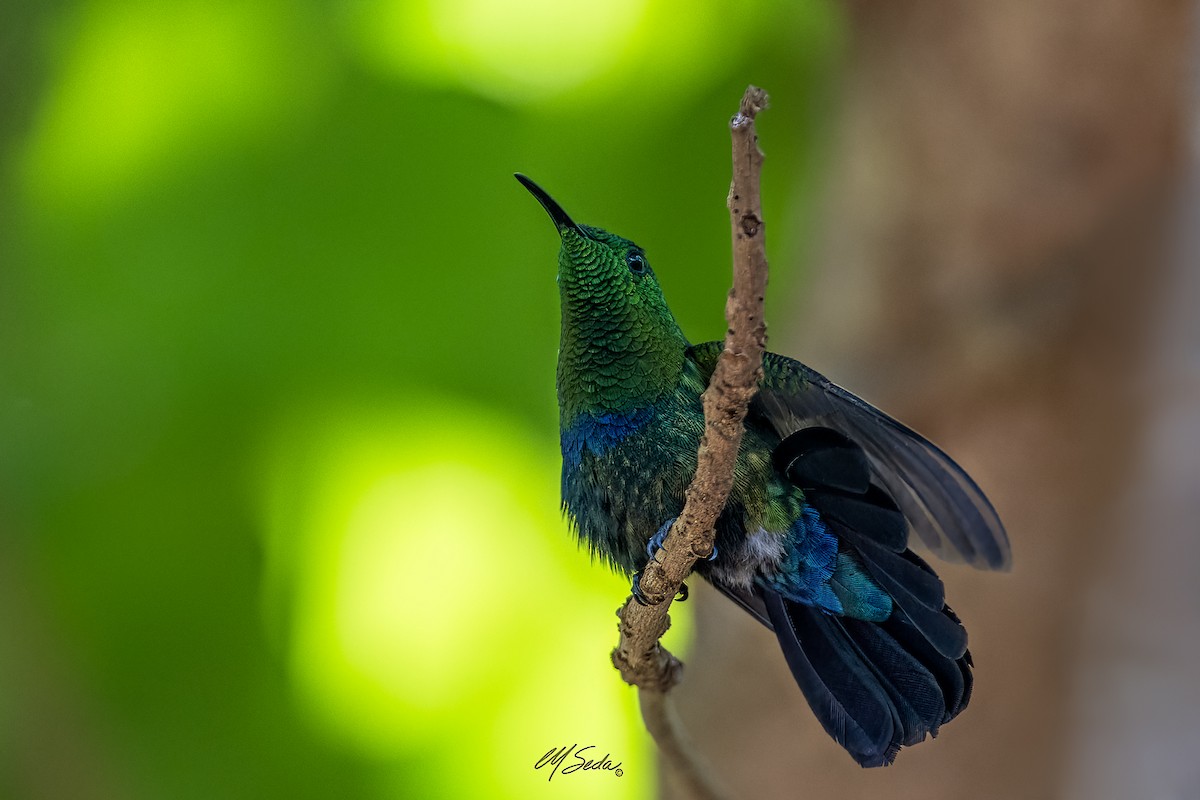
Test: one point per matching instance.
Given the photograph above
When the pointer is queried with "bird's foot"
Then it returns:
(656, 541)
(642, 600)
(636, 588)
(652, 547)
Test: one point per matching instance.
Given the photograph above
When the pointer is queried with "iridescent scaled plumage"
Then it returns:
(629, 399)
(813, 541)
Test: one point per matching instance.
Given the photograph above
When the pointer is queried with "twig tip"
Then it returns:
(753, 101)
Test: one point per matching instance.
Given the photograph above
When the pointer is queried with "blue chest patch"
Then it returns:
(599, 433)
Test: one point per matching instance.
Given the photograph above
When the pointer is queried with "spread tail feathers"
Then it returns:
(874, 687)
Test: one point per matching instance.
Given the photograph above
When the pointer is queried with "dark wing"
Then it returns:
(876, 686)
(943, 505)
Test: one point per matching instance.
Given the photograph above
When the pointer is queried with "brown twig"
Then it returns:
(642, 661)
(677, 750)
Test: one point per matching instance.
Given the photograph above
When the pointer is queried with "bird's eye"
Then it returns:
(636, 262)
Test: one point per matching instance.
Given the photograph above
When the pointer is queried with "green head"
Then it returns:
(620, 348)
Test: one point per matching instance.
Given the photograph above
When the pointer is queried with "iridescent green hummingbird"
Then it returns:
(813, 542)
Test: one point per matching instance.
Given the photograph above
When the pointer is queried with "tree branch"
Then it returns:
(642, 661)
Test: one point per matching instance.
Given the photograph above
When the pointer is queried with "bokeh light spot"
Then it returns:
(142, 85)
(514, 51)
(411, 543)
(434, 600)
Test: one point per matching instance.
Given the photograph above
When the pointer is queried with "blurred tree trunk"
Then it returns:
(992, 253)
(1136, 701)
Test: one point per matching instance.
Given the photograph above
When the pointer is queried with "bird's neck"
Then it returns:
(613, 366)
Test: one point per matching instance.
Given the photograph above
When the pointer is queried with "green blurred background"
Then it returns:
(278, 442)
(278, 438)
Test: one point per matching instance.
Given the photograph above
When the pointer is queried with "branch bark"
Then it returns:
(641, 659)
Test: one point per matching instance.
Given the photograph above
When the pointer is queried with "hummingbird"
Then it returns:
(813, 541)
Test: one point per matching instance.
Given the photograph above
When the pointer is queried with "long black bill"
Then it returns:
(561, 220)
